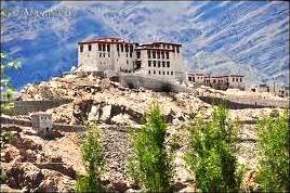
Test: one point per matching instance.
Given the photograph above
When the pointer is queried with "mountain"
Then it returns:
(250, 37)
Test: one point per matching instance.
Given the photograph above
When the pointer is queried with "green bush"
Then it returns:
(7, 90)
(273, 143)
(151, 165)
(3, 176)
(211, 155)
(92, 154)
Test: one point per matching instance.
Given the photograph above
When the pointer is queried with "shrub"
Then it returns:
(3, 176)
(92, 154)
(151, 165)
(211, 155)
(7, 90)
(273, 143)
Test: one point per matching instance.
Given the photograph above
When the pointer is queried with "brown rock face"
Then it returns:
(120, 186)
(9, 153)
(48, 185)
(20, 175)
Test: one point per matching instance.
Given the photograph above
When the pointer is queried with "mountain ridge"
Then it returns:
(254, 35)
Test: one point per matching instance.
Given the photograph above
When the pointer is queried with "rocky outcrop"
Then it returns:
(27, 168)
(36, 164)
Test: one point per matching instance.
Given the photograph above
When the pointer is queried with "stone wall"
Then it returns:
(239, 103)
(132, 81)
(25, 107)
(27, 123)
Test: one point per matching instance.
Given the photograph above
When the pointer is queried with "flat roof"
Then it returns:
(161, 49)
(40, 113)
(109, 40)
(160, 42)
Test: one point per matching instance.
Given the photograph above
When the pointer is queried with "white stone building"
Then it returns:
(218, 82)
(42, 123)
(115, 56)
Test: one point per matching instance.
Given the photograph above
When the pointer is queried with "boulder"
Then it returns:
(119, 186)
(188, 188)
(7, 189)
(23, 175)
(106, 113)
(177, 186)
(48, 185)
(29, 156)
(9, 153)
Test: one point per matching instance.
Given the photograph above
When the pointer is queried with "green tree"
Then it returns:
(92, 154)
(6, 63)
(273, 143)
(6, 88)
(211, 156)
(151, 165)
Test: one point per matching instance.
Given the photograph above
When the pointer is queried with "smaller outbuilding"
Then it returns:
(42, 123)
(283, 91)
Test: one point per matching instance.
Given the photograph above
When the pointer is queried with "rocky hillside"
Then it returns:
(31, 163)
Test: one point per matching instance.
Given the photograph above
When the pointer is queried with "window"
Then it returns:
(108, 54)
(154, 72)
(108, 47)
(162, 55)
(154, 54)
(158, 54)
(104, 55)
(104, 47)
(233, 79)
(167, 72)
(81, 48)
(163, 64)
(149, 72)
(159, 63)
(126, 48)
(177, 49)
(171, 72)
(148, 53)
(99, 47)
(154, 63)
(138, 54)
(163, 73)
(130, 54)
(100, 55)
(159, 72)
(149, 63)
(167, 55)
(168, 64)
(122, 47)
(118, 46)
(189, 78)
(131, 48)
(240, 79)
(237, 80)
(90, 47)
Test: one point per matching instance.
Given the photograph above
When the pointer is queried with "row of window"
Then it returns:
(107, 47)
(161, 72)
(219, 81)
(159, 54)
(126, 47)
(158, 63)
